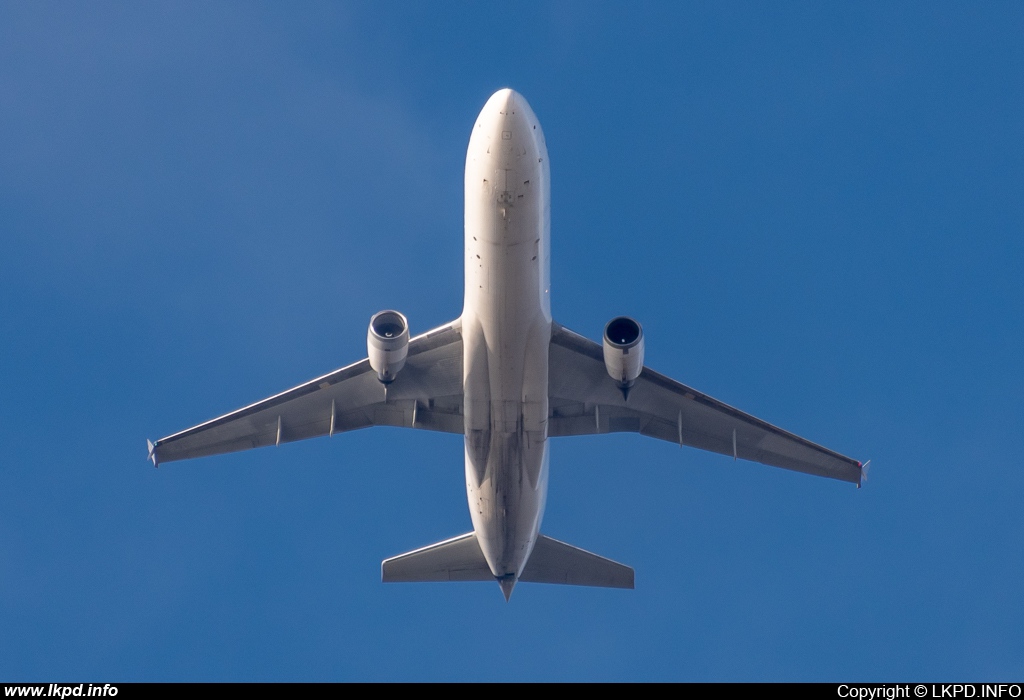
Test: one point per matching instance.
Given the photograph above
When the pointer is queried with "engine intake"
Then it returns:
(624, 352)
(387, 343)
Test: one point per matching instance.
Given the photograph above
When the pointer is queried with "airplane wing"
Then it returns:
(426, 394)
(585, 401)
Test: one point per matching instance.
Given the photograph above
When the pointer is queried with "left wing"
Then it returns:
(426, 394)
(584, 400)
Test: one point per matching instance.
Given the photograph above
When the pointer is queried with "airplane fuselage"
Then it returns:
(506, 328)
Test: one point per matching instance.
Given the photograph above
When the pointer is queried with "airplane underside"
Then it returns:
(509, 379)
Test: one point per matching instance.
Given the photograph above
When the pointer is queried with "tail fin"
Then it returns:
(557, 562)
(457, 559)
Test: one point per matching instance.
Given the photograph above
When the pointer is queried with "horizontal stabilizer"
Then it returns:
(557, 562)
(457, 559)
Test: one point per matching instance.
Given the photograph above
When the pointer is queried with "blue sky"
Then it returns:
(814, 210)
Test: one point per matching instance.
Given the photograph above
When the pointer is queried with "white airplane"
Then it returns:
(508, 378)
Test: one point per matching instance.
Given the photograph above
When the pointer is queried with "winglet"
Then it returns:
(864, 473)
(152, 453)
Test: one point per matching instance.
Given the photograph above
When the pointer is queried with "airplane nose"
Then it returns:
(508, 110)
(506, 137)
(503, 100)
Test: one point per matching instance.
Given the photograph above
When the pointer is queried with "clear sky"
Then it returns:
(815, 210)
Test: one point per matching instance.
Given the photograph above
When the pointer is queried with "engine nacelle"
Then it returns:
(623, 351)
(387, 343)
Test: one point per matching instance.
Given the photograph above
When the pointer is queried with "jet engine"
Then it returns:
(387, 343)
(624, 351)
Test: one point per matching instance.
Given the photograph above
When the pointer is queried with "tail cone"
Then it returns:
(507, 583)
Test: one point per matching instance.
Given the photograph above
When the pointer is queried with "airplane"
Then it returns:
(508, 378)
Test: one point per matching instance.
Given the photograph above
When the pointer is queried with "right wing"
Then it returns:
(426, 394)
(584, 400)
